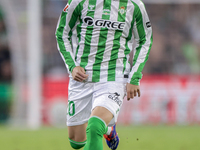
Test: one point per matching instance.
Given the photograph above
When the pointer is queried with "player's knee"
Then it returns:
(95, 127)
(76, 145)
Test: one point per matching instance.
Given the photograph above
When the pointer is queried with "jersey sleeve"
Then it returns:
(65, 26)
(142, 31)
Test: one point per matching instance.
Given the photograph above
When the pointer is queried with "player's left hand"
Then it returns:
(132, 91)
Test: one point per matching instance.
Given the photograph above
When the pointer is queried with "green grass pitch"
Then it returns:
(131, 138)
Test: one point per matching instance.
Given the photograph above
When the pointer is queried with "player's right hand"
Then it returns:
(78, 74)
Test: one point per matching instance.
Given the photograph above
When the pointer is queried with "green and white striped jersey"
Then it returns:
(105, 32)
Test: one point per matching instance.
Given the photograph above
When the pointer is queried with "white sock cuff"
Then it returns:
(99, 119)
(109, 131)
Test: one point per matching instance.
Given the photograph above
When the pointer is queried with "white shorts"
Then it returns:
(84, 97)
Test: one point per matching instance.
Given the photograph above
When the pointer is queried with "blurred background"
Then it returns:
(33, 77)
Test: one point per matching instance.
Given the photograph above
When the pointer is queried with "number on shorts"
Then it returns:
(71, 108)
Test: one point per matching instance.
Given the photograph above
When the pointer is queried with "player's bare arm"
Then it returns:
(79, 74)
(132, 91)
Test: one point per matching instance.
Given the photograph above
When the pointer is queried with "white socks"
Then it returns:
(109, 131)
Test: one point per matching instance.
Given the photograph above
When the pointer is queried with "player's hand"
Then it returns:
(78, 74)
(132, 91)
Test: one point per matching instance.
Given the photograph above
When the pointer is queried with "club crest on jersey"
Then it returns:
(115, 25)
(122, 10)
(66, 8)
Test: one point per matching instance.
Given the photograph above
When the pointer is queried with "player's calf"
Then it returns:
(95, 130)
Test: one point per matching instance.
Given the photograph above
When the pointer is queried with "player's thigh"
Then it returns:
(79, 103)
(108, 99)
(79, 109)
(77, 133)
(102, 113)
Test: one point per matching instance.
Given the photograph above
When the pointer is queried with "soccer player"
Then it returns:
(97, 60)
